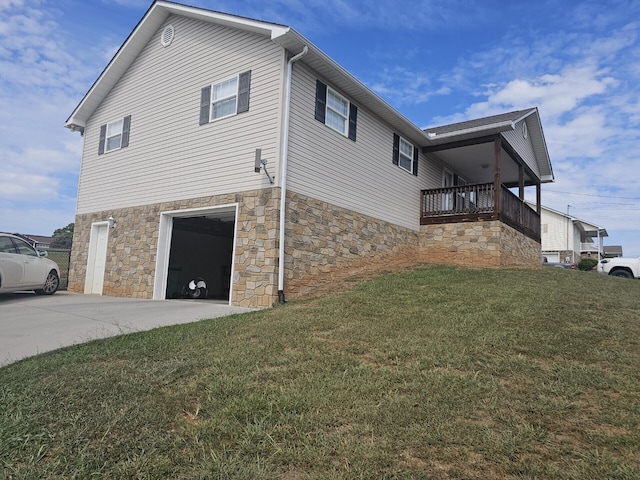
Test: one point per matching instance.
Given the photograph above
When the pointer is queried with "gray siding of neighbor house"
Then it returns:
(523, 145)
(360, 175)
(170, 156)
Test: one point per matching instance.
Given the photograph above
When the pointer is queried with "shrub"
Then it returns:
(587, 264)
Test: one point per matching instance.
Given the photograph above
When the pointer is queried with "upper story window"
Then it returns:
(337, 116)
(225, 98)
(405, 154)
(335, 111)
(114, 135)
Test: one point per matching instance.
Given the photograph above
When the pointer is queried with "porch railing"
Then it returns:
(589, 247)
(476, 202)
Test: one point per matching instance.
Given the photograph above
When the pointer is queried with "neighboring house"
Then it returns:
(568, 239)
(40, 242)
(611, 251)
(171, 186)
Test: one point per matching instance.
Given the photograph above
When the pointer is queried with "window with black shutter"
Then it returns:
(225, 98)
(114, 135)
(405, 154)
(335, 111)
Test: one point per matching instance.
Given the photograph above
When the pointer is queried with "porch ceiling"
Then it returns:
(475, 163)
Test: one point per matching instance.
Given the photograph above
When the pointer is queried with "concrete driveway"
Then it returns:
(32, 324)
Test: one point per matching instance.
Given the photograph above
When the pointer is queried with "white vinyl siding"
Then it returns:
(356, 175)
(170, 156)
(523, 146)
(559, 230)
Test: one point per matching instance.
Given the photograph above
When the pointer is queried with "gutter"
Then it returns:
(283, 169)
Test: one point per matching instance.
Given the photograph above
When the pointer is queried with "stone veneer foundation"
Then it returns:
(133, 244)
(323, 243)
(477, 244)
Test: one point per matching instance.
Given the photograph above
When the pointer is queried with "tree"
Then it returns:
(62, 237)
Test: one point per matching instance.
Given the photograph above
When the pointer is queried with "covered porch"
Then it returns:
(478, 202)
(489, 165)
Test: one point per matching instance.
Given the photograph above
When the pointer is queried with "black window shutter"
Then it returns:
(126, 127)
(244, 83)
(103, 137)
(396, 149)
(353, 121)
(321, 101)
(415, 160)
(205, 104)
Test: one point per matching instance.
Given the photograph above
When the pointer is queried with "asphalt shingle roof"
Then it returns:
(479, 122)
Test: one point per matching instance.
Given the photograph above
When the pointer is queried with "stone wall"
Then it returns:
(325, 244)
(477, 244)
(133, 244)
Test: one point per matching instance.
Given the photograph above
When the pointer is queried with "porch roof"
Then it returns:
(471, 139)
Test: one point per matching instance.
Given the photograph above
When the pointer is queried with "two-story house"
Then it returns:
(235, 151)
(565, 238)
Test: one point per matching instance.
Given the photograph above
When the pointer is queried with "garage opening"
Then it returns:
(196, 243)
(200, 257)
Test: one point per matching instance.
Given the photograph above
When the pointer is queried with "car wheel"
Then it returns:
(621, 274)
(51, 284)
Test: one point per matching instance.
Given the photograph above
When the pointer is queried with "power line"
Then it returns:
(594, 195)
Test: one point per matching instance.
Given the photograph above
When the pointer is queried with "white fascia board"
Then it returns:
(492, 128)
(123, 58)
(225, 19)
(349, 85)
(529, 113)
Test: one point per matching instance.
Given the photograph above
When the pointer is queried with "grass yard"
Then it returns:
(436, 373)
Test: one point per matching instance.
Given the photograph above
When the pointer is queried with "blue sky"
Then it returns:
(437, 62)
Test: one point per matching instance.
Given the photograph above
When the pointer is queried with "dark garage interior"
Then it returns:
(201, 250)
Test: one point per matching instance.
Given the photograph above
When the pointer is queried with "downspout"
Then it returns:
(283, 169)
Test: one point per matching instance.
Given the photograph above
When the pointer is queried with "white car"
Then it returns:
(22, 267)
(620, 267)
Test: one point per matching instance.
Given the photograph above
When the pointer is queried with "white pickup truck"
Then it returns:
(620, 267)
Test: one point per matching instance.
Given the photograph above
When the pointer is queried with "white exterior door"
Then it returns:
(97, 258)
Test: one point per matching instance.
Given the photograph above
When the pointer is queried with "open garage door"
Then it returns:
(195, 254)
(200, 258)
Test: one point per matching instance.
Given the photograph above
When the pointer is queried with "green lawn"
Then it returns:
(436, 373)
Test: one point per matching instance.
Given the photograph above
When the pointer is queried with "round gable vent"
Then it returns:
(167, 36)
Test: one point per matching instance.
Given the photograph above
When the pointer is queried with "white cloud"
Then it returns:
(41, 80)
(5, 4)
(554, 94)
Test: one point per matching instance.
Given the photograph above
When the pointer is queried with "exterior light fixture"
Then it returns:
(112, 221)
